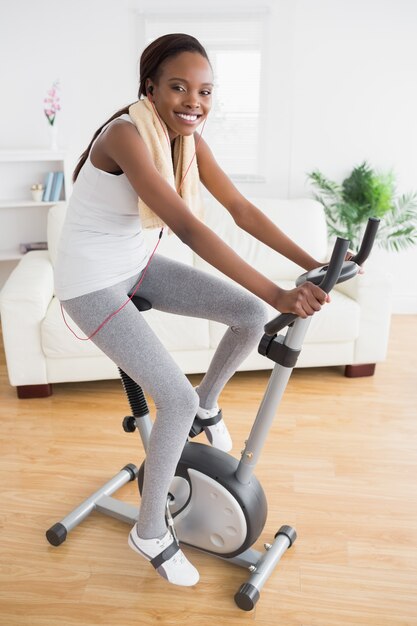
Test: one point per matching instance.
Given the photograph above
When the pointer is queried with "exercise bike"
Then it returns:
(215, 502)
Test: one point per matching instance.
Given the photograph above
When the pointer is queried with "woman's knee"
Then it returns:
(260, 311)
(183, 397)
(253, 314)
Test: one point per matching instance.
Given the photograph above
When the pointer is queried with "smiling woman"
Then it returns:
(237, 45)
(182, 92)
(150, 154)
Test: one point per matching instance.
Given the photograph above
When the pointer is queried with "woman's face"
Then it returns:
(182, 94)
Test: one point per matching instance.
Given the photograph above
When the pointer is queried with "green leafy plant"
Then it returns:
(366, 193)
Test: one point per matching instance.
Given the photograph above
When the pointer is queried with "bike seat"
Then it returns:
(141, 303)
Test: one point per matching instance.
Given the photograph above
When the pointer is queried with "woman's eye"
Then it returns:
(206, 93)
(178, 88)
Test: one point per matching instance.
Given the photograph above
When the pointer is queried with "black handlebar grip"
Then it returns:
(278, 323)
(367, 241)
(335, 264)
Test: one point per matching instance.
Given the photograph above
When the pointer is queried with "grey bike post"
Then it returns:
(266, 413)
(144, 428)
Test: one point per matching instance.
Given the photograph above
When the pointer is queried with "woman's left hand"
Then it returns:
(349, 255)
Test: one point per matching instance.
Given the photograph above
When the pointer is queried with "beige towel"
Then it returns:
(155, 135)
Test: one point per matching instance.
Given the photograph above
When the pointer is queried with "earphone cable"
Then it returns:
(109, 317)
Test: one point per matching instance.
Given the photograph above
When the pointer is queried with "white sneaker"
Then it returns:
(217, 434)
(166, 557)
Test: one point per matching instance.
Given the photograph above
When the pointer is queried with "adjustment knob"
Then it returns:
(129, 424)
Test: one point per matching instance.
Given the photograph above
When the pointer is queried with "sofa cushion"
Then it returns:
(176, 333)
(56, 217)
(301, 219)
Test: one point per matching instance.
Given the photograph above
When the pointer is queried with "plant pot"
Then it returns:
(37, 195)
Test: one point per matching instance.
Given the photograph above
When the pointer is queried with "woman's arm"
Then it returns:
(246, 215)
(124, 145)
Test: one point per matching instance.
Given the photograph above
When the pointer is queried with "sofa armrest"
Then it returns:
(24, 301)
(373, 292)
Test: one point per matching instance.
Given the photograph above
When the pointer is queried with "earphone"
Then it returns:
(109, 317)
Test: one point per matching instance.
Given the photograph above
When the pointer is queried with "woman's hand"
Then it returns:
(303, 301)
(349, 255)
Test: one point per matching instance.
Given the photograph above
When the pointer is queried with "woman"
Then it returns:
(102, 256)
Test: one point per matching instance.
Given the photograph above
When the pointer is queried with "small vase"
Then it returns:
(37, 195)
(53, 131)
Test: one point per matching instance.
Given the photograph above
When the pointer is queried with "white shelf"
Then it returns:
(22, 219)
(15, 204)
(7, 156)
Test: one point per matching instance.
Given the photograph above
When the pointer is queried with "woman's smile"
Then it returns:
(189, 117)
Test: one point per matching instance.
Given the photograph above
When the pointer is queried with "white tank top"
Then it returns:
(102, 242)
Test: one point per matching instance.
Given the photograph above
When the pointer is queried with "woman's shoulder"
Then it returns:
(120, 127)
(118, 130)
(111, 140)
(122, 144)
(123, 121)
(125, 117)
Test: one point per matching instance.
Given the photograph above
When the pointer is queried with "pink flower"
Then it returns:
(51, 103)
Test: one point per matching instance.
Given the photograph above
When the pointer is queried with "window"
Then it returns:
(235, 46)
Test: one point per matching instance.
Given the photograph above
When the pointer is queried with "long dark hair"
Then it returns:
(150, 66)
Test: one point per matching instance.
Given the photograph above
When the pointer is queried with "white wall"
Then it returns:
(354, 97)
(90, 45)
(341, 86)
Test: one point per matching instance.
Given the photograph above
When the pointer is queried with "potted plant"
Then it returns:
(366, 193)
(37, 192)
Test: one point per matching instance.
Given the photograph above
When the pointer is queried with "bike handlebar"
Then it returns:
(335, 264)
(367, 241)
(332, 272)
(329, 280)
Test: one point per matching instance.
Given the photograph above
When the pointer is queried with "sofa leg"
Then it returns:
(357, 371)
(34, 391)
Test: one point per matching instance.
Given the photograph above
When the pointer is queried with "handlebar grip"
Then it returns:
(367, 241)
(335, 264)
(278, 323)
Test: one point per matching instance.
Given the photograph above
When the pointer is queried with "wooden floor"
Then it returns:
(340, 465)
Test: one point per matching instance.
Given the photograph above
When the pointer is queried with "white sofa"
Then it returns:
(39, 349)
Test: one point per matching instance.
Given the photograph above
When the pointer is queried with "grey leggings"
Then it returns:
(129, 341)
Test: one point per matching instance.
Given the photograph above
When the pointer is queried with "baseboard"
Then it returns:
(404, 304)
